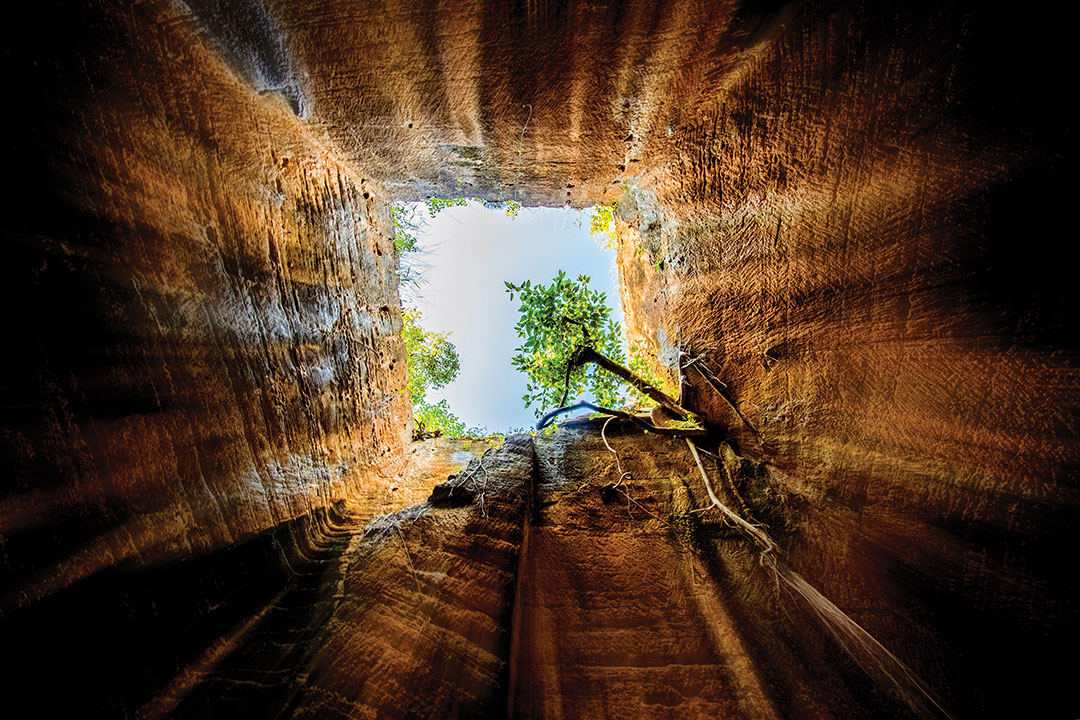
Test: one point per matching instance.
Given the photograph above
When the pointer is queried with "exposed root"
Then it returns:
(603, 436)
(470, 477)
(873, 657)
(383, 524)
(861, 646)
(735, 491)
(730, 483)
(755, 533)
(699, 360)
(480, 489)
(641, 507)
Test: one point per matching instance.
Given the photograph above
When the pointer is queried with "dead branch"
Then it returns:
(659, 430)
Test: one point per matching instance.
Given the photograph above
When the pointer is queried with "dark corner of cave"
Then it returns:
(840, 232)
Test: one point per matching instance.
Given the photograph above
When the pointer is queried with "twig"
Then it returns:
(408, 556)
(874, 658)
(721, 394)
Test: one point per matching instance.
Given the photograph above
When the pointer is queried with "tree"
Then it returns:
(602, 225)
(433, 362)
(406, 226)
(573, 346)
(558, 323)
(438, 417)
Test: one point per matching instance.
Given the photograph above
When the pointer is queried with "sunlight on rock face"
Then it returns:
(839, 222)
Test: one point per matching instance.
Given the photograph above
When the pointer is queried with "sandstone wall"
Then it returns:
(854, 239)
(537, 584)
(853, 212)
(202, 319)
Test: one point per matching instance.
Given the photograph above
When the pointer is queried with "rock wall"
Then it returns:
(203, 361)
(851, 212)
(546, 103)
(541, 582)
(849, 241)
(410, 477)
(423, 628)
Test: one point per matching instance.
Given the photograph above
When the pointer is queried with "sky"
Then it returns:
(469, 252)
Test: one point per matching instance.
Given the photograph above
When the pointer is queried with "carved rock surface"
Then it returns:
(548, 589)
(853, 213)
(204, 356)
(632, 595)
(422, 625)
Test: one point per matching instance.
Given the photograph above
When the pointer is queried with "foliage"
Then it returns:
(438, 417)
(407, 247)
(602, 225)
(639, 365)
(433, 362)
(407, 224)
(433, 359)
(405, 228)
(437, 205)
(557, 321)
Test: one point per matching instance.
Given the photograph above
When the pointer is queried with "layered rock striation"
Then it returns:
(577, 575)
(850, 216)
(204, 357)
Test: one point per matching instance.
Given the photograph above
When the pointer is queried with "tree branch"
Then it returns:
(663, 399)
(659, 430)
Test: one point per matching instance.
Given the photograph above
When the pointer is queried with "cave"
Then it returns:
(855, 215)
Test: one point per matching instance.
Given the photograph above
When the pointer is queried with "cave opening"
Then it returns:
(456, 257)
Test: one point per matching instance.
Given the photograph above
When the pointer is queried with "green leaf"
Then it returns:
(552, 324)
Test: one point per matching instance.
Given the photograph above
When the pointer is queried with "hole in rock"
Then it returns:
(456, 259)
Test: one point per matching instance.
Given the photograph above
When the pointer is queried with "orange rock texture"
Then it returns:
(205, 354)
(850, 216)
